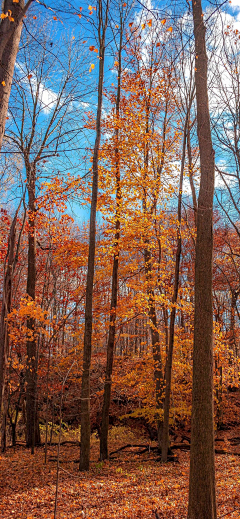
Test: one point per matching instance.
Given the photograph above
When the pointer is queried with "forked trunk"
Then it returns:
(169, 359)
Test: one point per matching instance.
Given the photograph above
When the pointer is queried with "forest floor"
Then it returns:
(131, 485)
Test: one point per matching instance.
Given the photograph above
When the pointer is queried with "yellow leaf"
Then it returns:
(143, 25)
(4, 15)
(91, 67)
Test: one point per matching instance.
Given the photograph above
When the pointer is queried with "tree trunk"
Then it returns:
(190, 171)
(113, 307)
(156, 348)
(168, 369)
(10, 33)
(87, 351)
(202, 493)
(6, 305)
(31, 371)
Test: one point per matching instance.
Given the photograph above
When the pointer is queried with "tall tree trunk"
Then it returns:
(87, 351)
(190, 170)
(202, 493)
(10, 33)
(232, 335)
(168, 368)
(156, 348)
(113, 307)
(31, 371)
(6, 305)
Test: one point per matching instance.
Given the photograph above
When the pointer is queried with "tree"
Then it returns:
(202, 493)
(38, 136)
(114, 290)
(102, 17)
(11, 23)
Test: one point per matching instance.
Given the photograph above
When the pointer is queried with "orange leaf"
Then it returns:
(149, 22)
(3, 83)
(91, 48)
(163, 21)
(34, 17)
(170, 29)
(55, 18)
(29, 76)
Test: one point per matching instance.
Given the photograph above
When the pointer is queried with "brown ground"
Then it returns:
(130, 486)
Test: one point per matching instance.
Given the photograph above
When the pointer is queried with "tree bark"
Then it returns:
(87, 351)
(32, 435)
(6, 305)
(10, 33)
(202, 493)
(168, 369)
(114, 294)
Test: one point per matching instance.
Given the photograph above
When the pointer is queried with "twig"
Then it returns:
(228, 513)
(156, 514)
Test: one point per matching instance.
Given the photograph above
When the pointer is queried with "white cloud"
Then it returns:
(235, 4)
(47, 98)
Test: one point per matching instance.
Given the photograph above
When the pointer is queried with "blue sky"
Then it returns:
(80, 32)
